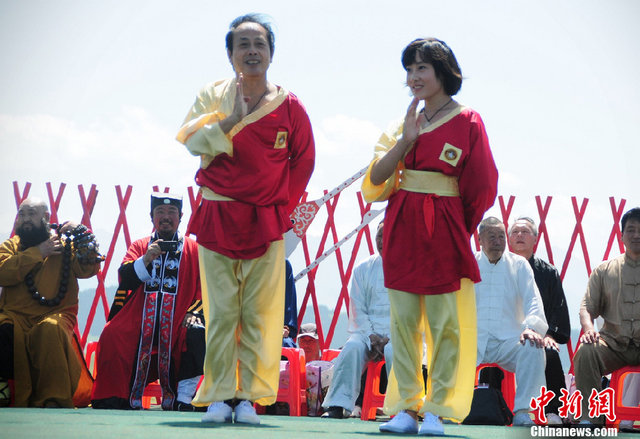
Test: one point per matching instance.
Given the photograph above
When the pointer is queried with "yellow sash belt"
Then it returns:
(428, 182)
(434, 184)
(210, 195)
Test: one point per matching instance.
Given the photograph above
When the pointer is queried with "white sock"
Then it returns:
(187, 388)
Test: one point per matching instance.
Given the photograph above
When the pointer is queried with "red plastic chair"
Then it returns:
(372, 399)
(508, 383)
(92, 355)
(296, 394)
(330, 354)
(617, 384)
(153, 390)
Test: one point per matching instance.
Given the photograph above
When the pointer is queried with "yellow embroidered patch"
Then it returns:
(281, 140)
(450, 154)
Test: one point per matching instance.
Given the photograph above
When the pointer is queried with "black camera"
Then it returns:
(168, 246)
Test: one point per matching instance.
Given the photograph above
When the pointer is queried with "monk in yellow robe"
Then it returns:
(39, 306)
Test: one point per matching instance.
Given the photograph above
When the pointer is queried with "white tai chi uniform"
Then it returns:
(507, 302)
(368, 314)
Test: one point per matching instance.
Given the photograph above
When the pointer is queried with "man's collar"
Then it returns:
(629, 260)
(487, 257)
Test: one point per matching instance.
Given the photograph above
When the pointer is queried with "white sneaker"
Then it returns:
(246, 414)
(553, 419)
(522, 419)
(400, 423)
(431, 426)
(218, 412)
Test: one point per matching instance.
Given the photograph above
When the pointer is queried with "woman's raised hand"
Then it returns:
(412, 122)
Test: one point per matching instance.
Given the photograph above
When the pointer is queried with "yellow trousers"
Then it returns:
(243, 301)
(448, 322)
(47, 368)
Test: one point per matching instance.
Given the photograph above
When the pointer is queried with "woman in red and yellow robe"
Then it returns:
(437, 172)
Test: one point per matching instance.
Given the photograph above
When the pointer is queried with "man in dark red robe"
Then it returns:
(155, 328)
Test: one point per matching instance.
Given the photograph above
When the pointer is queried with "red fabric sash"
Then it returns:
(429, 214)
(164, 350)
(146, 349)
(164, 282)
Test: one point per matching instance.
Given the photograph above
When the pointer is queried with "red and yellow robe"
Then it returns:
(426, 247)
(260, 169)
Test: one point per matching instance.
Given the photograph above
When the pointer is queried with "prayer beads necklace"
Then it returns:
(86, 253)
(62, 289)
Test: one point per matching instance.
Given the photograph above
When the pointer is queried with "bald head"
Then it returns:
(34, 203)
(33, 210)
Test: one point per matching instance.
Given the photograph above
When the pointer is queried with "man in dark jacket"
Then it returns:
(523, 236)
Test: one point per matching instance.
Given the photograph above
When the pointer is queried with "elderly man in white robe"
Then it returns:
(369, 335)
(511, 320)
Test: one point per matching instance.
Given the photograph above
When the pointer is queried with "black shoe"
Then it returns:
(334, 412)
(112, 403)
(179, 406)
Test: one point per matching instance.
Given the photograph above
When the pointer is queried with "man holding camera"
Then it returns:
(156, 327)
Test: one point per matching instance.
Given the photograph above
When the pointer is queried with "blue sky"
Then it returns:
(93, 92)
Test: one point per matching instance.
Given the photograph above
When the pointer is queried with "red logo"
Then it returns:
(600, 404)
(538, 404)
(570, 404)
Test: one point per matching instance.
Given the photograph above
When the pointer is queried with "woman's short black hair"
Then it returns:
(631, 214)
(260, 19)
(435, 52)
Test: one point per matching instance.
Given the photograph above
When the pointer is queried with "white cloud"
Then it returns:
(130, 145)
(128, 149)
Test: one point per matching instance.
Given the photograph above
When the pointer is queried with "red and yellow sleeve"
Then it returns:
(383, 191)
(302, 154)
(478, 182)
(200, 131)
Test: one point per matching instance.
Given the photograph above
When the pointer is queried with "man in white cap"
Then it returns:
(308, 341)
